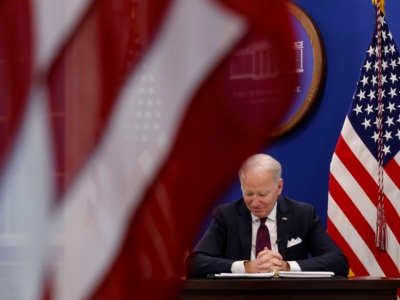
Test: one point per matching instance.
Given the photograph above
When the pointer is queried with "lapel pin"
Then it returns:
(284, 218)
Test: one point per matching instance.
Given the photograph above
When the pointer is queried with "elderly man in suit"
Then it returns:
(265, 231)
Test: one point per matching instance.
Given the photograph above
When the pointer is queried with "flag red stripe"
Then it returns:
(356, 265)
(367, 183)
(361, 225)
(16, 57)
(393, 171)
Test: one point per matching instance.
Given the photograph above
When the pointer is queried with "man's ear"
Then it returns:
(280, 185)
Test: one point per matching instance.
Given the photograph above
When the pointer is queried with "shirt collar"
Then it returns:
(271, 216)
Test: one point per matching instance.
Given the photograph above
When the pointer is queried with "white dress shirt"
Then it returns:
(238, 266)
(271, 225)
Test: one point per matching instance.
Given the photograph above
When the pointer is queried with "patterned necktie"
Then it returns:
(262, 237)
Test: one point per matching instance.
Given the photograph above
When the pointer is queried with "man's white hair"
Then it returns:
(261, 163)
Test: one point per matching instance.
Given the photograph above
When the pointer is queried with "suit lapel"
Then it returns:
(244, 230)
(283, 223)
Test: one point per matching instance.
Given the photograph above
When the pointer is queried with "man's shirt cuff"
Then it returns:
(238, 267)
(294, 266)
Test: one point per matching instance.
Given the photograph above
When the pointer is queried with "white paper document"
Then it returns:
(283, 274)
(253, 275)
(306, 274)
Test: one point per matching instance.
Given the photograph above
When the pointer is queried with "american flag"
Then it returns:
(354, 219)
(120, 127)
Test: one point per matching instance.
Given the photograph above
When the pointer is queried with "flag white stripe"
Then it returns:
(95, 221)
(26, 185)
(355, 242)
(395, 193)
(393, 248)
(369, 162)
(363, 202)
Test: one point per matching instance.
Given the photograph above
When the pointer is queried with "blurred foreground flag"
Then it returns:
(152, 107)
(364, 185)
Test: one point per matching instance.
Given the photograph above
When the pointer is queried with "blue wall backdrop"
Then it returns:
(346, 28)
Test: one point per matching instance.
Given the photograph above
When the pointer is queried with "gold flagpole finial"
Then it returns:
(382, 4)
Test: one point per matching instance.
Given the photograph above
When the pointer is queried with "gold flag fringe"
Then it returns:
(381, 4)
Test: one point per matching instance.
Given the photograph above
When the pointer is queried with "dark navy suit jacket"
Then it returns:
(229, 239)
